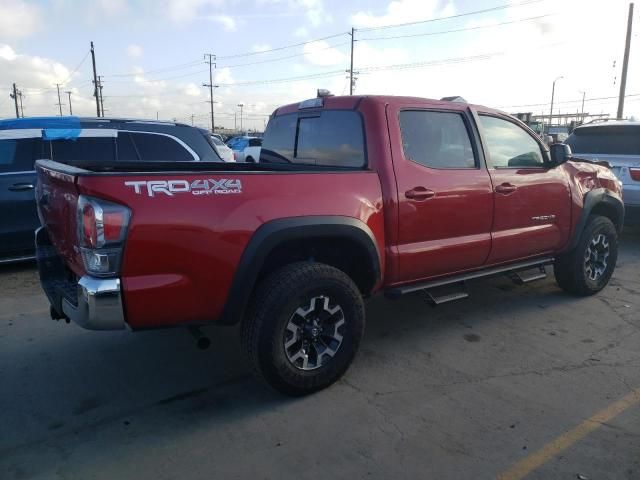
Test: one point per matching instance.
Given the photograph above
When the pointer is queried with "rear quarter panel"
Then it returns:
(182, 250)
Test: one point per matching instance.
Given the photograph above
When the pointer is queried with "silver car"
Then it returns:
(616, 142)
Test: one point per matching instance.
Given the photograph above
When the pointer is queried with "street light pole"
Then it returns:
(241, 105)
(553, 91)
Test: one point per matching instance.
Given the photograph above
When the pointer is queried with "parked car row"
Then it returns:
(245, 149)
(75, 140)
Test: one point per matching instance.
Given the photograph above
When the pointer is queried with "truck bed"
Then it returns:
(184, 245)
(89, 167)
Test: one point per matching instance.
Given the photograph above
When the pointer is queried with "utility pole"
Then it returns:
(14, 95)
(211, 86)
(21, 107)
(582, 111)
(241, 105)
(353, 33)
(95, 80)
(101, 97)
(68, 92)
(59, 102)
(625, 63)
(553, 91)
(192, 115)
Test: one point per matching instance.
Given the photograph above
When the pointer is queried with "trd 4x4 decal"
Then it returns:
(223, 186)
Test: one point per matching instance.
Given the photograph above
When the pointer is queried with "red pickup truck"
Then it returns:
(351, 196)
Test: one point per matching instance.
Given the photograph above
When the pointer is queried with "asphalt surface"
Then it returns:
(515, 382)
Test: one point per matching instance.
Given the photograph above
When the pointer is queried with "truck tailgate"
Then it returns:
(57, 199)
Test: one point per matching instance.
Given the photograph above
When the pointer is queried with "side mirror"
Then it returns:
(560, 153)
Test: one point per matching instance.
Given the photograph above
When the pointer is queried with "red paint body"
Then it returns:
(182, 251)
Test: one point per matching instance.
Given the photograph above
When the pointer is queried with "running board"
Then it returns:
(489, 272)
(450, 297)
(522, 277)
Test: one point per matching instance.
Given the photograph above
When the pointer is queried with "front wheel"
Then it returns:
(587, 268)
(304, 327)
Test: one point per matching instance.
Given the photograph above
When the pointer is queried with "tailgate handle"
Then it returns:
(419, 193)
(21, 187)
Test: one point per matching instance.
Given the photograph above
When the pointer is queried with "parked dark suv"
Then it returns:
(70, 140)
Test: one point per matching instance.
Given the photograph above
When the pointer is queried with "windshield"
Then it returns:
(217, 142)
(607, 140)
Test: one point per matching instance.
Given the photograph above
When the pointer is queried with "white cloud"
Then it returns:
(301, 32)
(7, 53)
(402, 11)
(184, 11)
(315, 11)
(19, 19)
(227, 22)
(135, 51)
(192, 90)
(112, 7)
(261, 47)
(320, 53)
(223, 76)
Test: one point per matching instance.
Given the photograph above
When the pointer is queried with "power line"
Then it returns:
(248, 54)
(77, 68)
(459, 15)
(479, 27)
(569, 101)
(284, 58)
(332, 73)
(180, 66)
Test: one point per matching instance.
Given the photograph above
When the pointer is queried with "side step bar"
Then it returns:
(440, 299)
(523, 277)
(511, 270)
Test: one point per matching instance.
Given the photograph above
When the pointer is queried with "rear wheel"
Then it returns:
(250, 160)
(587, 268)
(304, 326)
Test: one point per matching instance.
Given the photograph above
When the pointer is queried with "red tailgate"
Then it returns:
(57, 199)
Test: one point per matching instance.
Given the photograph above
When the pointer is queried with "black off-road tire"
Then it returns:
(277, 301)
(570, 268)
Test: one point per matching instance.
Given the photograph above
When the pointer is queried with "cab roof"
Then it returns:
(352, 102)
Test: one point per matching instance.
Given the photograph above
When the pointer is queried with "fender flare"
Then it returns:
(275, 232)
(593, 198)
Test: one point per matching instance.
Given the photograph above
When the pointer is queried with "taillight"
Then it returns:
(102, 228)
(635, 174)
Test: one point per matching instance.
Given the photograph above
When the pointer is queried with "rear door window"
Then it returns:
(95, 149)
(436, 139)
(331, 138)
(611, 140)
(18, 155)
(159, 148)
(126, 149)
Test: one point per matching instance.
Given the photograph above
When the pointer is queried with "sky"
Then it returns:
(150, 53)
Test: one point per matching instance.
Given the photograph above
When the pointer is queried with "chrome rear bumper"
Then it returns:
(93, 303)
(99, 304)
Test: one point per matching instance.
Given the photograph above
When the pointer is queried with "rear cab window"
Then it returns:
(331, 138)
(606, 139)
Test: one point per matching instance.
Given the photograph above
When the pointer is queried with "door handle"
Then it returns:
(506, 188)
(21, 187)
(419, 193)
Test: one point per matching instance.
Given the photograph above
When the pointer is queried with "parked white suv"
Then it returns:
(616, 142)
(225, 152)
